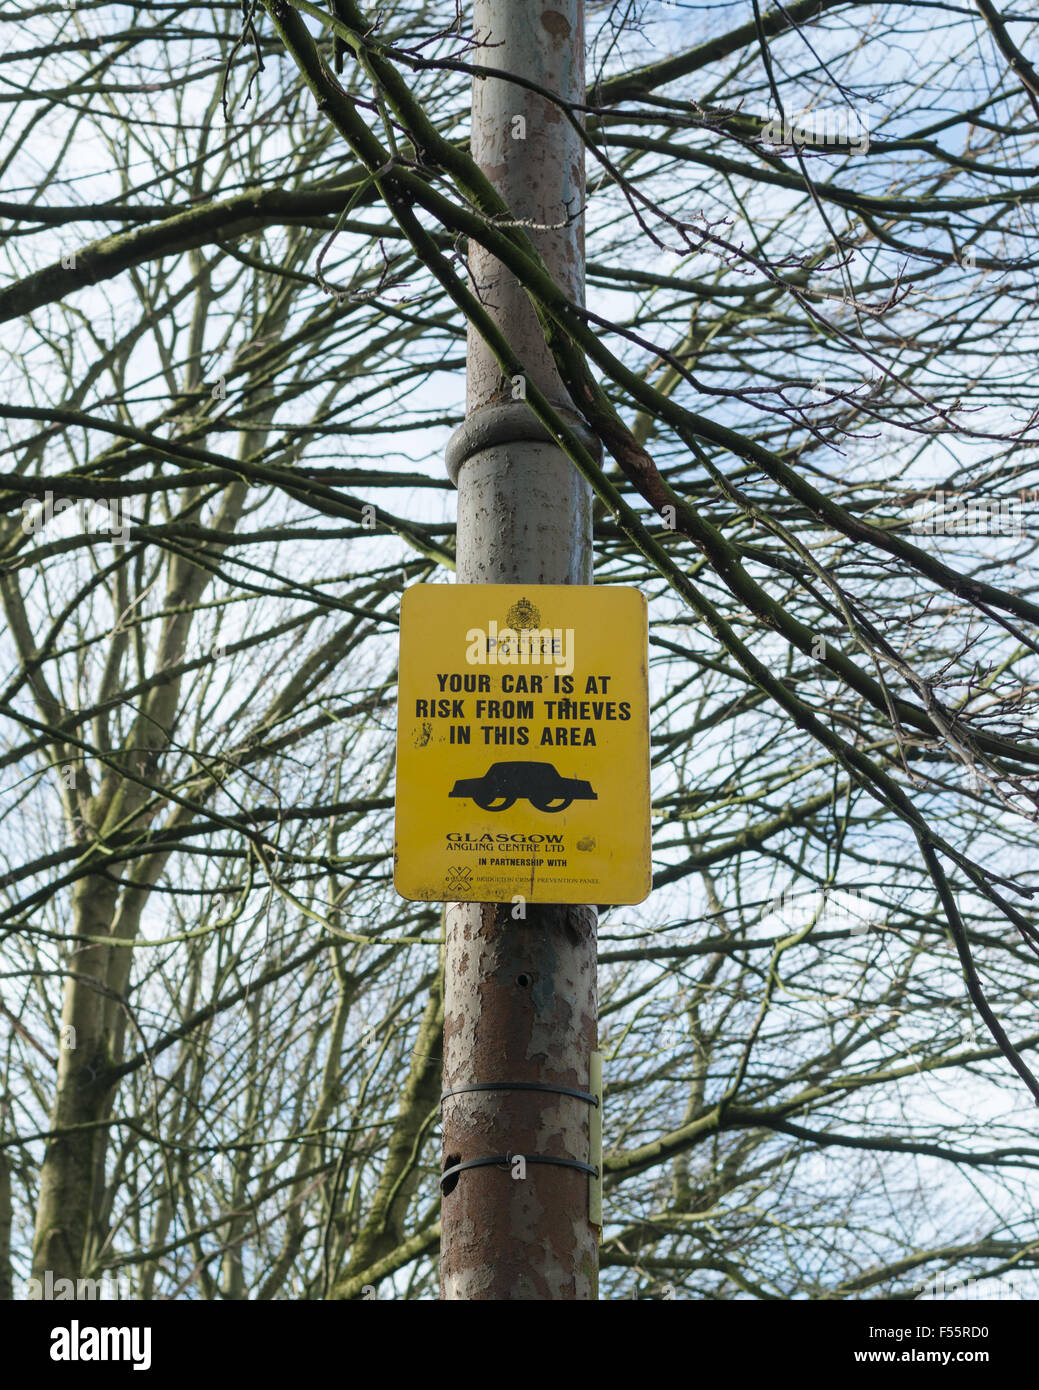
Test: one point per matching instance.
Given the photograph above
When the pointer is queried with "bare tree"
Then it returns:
(235, 278)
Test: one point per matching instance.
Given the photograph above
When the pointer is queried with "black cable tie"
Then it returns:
(521, 1086)
(506, 1160)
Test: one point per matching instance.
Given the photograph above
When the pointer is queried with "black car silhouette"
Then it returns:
(540, 783)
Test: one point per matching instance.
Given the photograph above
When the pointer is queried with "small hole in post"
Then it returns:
(448, 1185)
(523, 981)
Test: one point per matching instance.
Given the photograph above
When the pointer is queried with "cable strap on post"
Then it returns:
(586, 1096)
(506, 1160)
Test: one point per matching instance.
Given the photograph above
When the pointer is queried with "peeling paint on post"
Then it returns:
(520, 993)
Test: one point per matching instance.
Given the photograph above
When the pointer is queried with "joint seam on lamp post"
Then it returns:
(521, 1086)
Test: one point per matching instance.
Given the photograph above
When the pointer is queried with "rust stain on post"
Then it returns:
(556, 24)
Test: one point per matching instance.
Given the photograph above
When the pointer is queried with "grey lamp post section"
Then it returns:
(520, 1000)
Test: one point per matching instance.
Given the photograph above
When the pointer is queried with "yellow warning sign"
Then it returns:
(523, 744)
